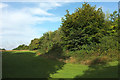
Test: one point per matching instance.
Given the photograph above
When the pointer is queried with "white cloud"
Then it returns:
(2, 5)
(36, 11)
(49, 5)
(18, 25)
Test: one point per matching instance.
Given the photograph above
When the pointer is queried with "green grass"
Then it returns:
(27, 65)
(109, 70)
(19, 51)
(70, 71)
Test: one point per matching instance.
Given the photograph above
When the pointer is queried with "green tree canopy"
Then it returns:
(22, 47)
(34, 45)
(84, 26)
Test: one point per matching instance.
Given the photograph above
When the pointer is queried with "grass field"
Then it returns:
(24, 64)
(83, 71)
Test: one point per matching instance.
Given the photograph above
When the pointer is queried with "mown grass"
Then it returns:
(27, 65)
(70, 71)
(109, 70)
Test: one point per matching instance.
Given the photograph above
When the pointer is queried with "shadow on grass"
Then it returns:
(56, 52)
(26, 65)
(100, 71)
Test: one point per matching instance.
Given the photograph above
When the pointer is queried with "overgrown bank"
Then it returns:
(86, 36)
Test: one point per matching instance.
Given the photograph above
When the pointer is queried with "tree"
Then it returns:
(48, 40)
(2, 48)
(34, 45)
(22, 47)
(84, 26)
(112, 24)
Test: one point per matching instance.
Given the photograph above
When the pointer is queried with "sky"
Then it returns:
(21, 22)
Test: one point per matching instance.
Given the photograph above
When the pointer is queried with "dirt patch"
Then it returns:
(70, 60)
(97, 60)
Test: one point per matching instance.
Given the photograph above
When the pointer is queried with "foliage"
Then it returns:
(2, 48)
(112, 24)
(108, 46)
(86, 33)
(46, 42)
(34, 45)
(84, 26)
(22, 47)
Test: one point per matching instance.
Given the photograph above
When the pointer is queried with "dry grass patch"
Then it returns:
(96, 60)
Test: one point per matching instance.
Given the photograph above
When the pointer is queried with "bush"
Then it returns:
(108, 46)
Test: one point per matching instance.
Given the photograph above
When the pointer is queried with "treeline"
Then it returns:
(87, 31)
(22, 47)
(2, 48)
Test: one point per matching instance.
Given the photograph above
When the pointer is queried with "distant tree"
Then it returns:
(2, 49)
(22, 47)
